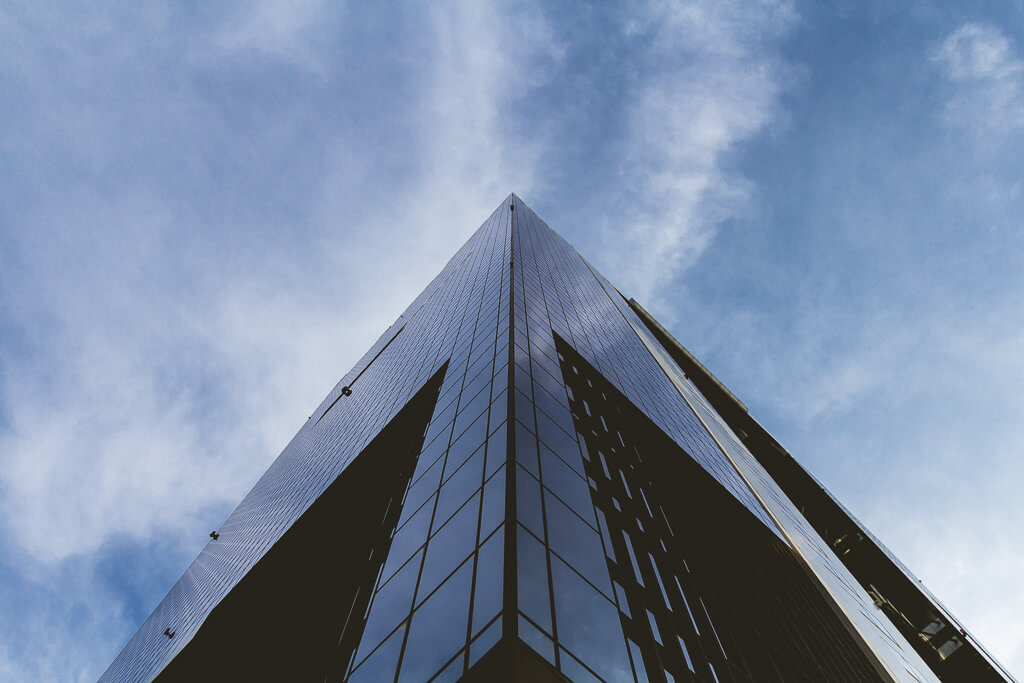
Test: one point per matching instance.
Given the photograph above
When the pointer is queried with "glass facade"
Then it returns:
(518, 481)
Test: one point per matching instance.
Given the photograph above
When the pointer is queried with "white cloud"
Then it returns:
(148, 403)
(278, 28)
(710, 80)
(987, 75)
(164, 346)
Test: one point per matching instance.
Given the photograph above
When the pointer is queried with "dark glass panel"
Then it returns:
(472, 392)
(466, 480)
(566, 484)
(449, 546)
(577, 543)
(410, 511)
(487, 595)
(560, 442)
(500, 379)
(455, 460)
(438, 628)
(526, 449)
(428, 457)
(484, 642)
(499, 409)
(524, 411)
(381, 665)
(588, 624)
(528, 502)
(557, 410)
(441, 426)
(493, 512)
(533, 637)
(407, 540)
(472, 410)
(576, 672)
(390, 606)
(497, 447)
(452, 672)
(422, 489)
(472, 437)
(532, 565)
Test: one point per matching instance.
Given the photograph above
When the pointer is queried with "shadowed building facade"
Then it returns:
(528, 478)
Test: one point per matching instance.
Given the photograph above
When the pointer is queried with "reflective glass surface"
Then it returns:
(571, 490)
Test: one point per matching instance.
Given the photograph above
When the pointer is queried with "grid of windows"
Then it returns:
(704, 594)
(525, 516)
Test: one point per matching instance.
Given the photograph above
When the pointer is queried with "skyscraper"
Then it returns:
(528, 478)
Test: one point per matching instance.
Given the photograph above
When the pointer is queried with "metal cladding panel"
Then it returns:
(438, 327)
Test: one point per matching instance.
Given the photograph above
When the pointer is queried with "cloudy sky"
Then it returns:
(209, 211)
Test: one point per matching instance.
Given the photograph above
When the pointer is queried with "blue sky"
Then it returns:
(208, 212)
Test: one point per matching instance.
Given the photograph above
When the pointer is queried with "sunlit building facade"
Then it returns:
(528, 478)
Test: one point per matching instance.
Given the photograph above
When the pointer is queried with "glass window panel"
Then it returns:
(528, 505)
(484, 642)
(449, 547)
(455, 460)
(533, 637)
(522, 379)
(449, 391)
(524, 411)
(459, 487)
(485, 347)
(548, 381)
(452, 672)
(409, 511)
(474, 387)
(526, 449)
(542, 346)
(499, 409)
(521, 357)
(428, 457)
(686, 653)
(620, 595)
(472, 437)
(654, 627)
(638, 662)
(560, 442)
(439, 428)
(496, 448)
(498, 442)
(408, 539)
(494, 504)
(476, 409)
(566, 484)
(500, 380)
(380, 666)
(533, 580)
(487, 596)
(422, 489)
(588, 624)
(557, 410)
(438, 628)
(577, 543)
(478, 366)
(576, 672)
(391, 605)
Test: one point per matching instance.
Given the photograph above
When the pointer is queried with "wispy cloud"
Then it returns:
(196, 255)
(708, 79)
(209, 214)
(279, 29)
(987, 74)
